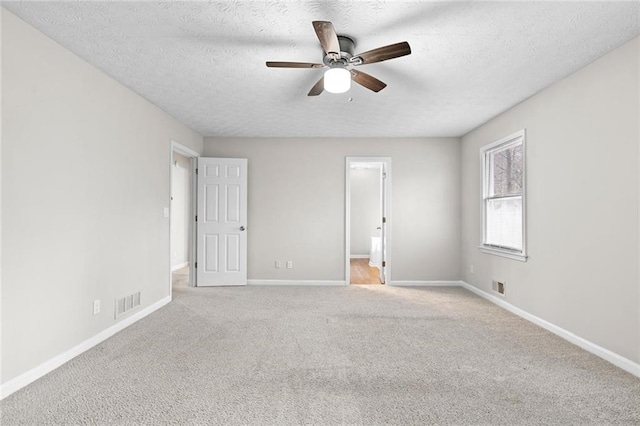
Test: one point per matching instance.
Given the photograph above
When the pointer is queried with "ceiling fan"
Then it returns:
(339, 59)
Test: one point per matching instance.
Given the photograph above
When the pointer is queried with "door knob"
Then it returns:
(242, 228)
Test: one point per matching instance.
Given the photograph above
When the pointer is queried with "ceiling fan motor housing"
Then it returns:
(347, 49)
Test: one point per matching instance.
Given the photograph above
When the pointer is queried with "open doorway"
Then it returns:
(182, 214)
(180, 202)
(367, 220)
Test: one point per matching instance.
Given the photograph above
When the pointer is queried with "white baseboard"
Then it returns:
(34, 374)
(606, 354)
(359, 256)
(296, 282)
(424, 283)
(179, 266)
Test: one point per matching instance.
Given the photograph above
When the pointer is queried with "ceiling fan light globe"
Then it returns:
(337, 80)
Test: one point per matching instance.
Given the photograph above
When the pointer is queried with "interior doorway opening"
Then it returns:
(182, 217)
(367, 220)
(180, 200)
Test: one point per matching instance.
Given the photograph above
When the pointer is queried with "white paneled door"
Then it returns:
(222, 222)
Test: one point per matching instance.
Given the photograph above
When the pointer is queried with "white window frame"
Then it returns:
(484, 151)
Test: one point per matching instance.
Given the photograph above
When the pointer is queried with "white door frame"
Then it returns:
(347, 220)
(193, 155)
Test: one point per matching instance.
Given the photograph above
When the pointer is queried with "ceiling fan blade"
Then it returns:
(327, 36)
(272, 64)
(318, 88)
(367, 81)
(385, 53)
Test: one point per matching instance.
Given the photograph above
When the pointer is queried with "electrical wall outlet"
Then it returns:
(471, 269)
(277, 264)
(289, 264)
(96, 307)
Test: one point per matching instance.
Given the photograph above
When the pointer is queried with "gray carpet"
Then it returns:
(330, 355)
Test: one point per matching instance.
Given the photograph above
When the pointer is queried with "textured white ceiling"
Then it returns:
(204, 62)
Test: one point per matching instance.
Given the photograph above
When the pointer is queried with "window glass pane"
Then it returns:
(505, 171)
(504, 222)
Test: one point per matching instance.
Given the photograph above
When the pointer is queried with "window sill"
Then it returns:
(504, 253)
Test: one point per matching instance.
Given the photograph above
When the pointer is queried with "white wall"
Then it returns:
(297, 204)
(181, 197)
(637, 42)
(1, 133)
(582, 211)
(85, 177)
(365, 209)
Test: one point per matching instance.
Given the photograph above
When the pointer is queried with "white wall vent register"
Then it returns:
(499, 287)
(127, 303)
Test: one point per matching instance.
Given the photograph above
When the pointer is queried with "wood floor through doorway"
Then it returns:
(180, 277)
(362, 273)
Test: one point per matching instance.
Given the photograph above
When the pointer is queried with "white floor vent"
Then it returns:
(127, 303)
(499, 287)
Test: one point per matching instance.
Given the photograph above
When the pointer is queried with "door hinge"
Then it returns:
(384, 263)
(196, 218)
(196, 171)
(196, 265)
(384, 220)
(384, 175)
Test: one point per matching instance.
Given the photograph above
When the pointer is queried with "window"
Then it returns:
(503, 193)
